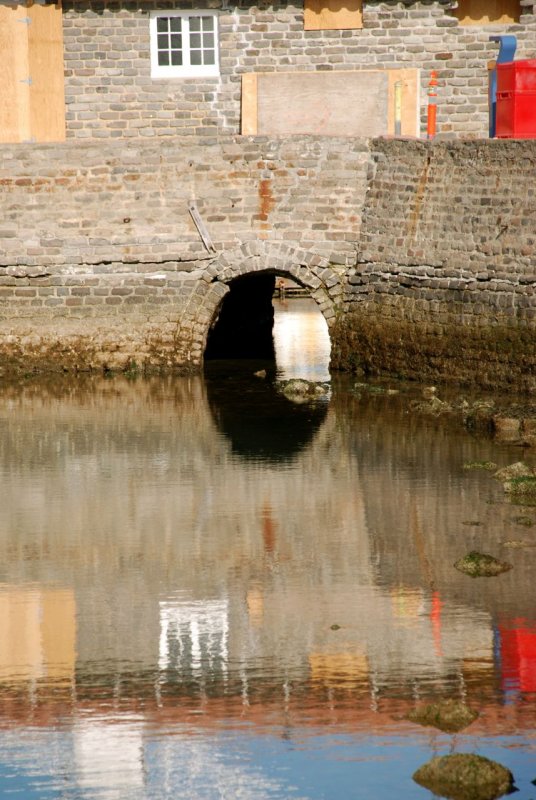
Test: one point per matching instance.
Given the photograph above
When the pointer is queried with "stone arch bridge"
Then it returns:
(421, 256)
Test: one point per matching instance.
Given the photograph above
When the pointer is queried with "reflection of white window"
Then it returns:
(193, 636)
(184, 44)
(108, 756)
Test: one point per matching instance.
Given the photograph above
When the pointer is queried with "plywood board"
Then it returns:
(359, 103)
(332, 15)
(14, 86)
(485, 12)
(32, 100)
(249, 104)
(45, 55)
(322, 103)
(409, 81)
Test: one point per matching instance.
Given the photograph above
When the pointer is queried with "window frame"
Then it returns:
(186, 69)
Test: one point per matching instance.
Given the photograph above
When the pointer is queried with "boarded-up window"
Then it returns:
(487, 12)
(338, 103)
(332, 15)
(32, 102)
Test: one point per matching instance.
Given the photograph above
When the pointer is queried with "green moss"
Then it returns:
(488, 465)
(523, 484)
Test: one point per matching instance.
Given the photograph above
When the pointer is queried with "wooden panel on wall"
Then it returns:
(47, 94)
(360, 103)
(332, 15)
(322, 103)
(409, 80)
(484, 12)
(14, 86)
(249, 104)
(32, 101)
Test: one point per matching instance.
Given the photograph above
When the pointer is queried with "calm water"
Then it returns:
(207, 591)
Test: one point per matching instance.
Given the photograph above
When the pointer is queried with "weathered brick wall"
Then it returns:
(445, 280)
(110, 92)
(422, 257)
(125, 206)
(101, 263)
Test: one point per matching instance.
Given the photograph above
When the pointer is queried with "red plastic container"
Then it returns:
(517, 76)
(516, 100)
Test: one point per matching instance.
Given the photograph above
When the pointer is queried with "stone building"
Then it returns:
(143, 68)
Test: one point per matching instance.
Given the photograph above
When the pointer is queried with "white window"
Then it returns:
(184, 44)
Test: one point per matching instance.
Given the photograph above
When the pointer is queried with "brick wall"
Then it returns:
(420, 256)
(110, 92)
(101, 263)
(445, 280)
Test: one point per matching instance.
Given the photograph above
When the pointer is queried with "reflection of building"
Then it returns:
(302, 342)
(108, 755)
(205, 589)
(193, 636)
(37, 634)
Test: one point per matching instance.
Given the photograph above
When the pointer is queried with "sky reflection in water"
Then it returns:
(191, 609)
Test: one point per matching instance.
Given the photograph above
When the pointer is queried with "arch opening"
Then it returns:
(243, 328)
(283, 330)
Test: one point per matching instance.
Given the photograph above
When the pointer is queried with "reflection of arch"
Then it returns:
(307, 269)
(277, 431)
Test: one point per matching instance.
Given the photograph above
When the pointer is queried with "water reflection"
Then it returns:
(301, 337)
(180, 619)
(259, 422)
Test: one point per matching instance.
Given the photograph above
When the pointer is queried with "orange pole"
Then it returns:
(432, 106)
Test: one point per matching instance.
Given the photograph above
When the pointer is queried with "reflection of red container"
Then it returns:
(516, 100)
(518, 655)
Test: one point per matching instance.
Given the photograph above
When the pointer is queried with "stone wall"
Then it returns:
(110, 92)
(420, 256)
(445, 278)
(101, 264)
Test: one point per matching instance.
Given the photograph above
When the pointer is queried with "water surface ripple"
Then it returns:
(207, 591)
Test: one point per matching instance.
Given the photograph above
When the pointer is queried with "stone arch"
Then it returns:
(308, 269)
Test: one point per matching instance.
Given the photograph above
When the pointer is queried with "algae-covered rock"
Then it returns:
(518, 543)
(523, 485)
(507, 429)
(487, 465)
(479, 415)
(300, 390)
(517, 470)
(481, 565)
(528, 522)
(446, 715)
(465, 776)
(432, 405)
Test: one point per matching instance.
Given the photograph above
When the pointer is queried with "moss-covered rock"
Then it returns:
(518, 543)
(465, 776)
(446, 715)
(300, 390)
(517, 470)
(523, 485)
(487, 465)
(528, 522)
(481, 565)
